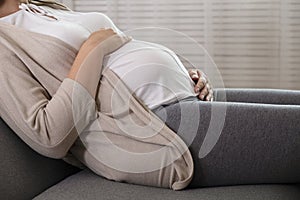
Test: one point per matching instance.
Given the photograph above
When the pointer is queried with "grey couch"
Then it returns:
(24, 174)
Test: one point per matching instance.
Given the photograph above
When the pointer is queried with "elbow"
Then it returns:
(55, 154)
(53, 151)
(54, 148)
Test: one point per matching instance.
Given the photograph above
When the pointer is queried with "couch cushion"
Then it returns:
(87, 185)
(23, 172)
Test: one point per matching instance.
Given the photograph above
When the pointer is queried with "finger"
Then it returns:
(106, 30)
(200, 84)
(192, 71)
(194, 75)
(209, 97)
(204, 92)
(110, 30)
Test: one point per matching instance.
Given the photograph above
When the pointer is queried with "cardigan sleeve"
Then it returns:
(50, 125)
(91, 68)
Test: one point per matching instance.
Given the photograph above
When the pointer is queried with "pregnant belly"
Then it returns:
(153, 72)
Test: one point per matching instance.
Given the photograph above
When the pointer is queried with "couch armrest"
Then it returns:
(23, 172)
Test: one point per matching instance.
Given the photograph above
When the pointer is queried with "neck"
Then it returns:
(8, 8)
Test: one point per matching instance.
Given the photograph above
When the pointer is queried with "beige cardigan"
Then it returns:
(48, 111)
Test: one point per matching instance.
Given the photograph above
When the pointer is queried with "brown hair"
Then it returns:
(50, 3)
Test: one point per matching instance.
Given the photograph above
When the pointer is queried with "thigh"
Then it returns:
(248, 144)
(266, 96)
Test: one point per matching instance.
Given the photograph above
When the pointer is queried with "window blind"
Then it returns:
(255, 43)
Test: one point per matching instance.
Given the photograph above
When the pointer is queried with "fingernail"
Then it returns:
(202, 97)
(194, 76)
(197, 90)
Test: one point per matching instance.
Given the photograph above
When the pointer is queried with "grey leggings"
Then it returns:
(258, 137)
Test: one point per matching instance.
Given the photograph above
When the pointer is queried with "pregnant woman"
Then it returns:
(259, 142)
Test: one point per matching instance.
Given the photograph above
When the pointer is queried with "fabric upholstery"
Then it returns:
(86, 185)
(23, 172)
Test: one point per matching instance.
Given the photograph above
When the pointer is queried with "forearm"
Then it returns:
(86, 70)
(87, 66)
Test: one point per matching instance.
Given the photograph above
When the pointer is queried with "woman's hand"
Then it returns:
(96, 38)
(106, 39)
(202, 84)
(88, 64)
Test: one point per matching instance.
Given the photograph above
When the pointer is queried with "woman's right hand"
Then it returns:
(106, 39)
(96, 38)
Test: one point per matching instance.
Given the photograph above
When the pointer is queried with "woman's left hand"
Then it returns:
(202, 84)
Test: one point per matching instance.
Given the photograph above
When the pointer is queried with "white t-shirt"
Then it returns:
(153, 72)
